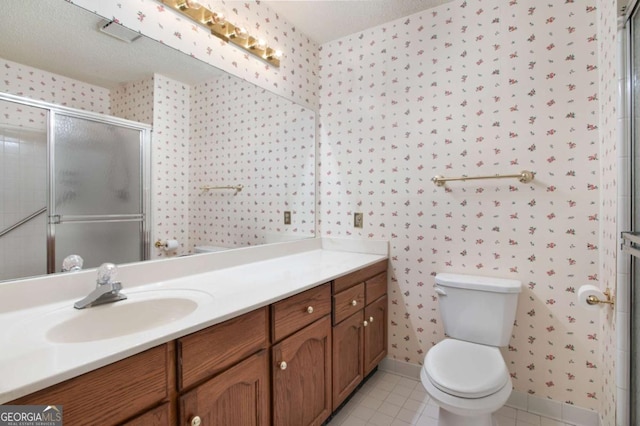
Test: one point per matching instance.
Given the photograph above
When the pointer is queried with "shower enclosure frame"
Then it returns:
(145, 179)
(627, 411)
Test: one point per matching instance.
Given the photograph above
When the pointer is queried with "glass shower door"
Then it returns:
(96, 192)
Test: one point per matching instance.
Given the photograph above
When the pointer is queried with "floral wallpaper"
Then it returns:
(471, 87)
(607, 66)
(476, 87)
(164, 104)
(297, 77)
(244, 135)
(22, 80)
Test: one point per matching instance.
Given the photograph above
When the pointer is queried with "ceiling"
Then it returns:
(328, 20)
(77, 50)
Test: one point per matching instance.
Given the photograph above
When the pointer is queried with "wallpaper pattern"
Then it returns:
(22, 80)
(472, 87)
(475, 87)
(243, 135)
(152, 101)
(607, 68)
(297, 77)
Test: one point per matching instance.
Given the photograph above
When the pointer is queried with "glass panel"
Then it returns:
(99, 242)
(97, 168)
(23, 183)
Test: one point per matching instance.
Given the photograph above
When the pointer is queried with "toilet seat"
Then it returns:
(466, 370)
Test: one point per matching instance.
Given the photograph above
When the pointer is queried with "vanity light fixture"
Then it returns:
(225, 30)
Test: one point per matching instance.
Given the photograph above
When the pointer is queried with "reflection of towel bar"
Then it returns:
(524, 176)
(237, 188)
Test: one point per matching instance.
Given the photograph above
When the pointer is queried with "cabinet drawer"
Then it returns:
(349, 280)
(296, 312)
(348, 302)
(376, 287)
(111, 394)
(208, 352)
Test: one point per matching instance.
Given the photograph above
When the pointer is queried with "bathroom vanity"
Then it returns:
(285, 341)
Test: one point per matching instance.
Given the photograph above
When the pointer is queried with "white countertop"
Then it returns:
(227, 284)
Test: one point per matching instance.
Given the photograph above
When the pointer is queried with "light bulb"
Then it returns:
(241, 33)
(193, 4)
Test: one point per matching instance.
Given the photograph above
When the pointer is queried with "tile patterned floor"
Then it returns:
(387, 399)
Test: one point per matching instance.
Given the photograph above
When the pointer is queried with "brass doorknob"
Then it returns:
(195, 421)
(310, 309)
(283, 365)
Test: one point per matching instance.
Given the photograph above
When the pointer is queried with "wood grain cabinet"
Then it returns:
(301, 362)
(238, 396)
(288, 364)
(228, 364)
(112, 394)
(360, 327)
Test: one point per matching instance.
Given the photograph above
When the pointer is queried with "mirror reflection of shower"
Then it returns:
(23, 195)
(78, 189)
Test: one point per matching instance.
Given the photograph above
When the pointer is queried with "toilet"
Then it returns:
(465, 374)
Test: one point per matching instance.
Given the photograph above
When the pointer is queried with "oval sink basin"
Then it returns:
(139, 312)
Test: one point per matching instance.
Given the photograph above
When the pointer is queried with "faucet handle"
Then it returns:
(107, 273)
(72, 263)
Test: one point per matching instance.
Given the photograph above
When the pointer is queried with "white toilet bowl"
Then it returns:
(468, 381)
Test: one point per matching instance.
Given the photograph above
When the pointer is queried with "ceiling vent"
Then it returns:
(118, 31)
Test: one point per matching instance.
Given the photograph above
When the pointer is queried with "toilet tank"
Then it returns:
(478, 309)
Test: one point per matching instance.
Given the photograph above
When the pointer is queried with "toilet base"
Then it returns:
(447, 418)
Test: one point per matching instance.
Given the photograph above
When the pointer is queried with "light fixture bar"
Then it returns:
(225, 30)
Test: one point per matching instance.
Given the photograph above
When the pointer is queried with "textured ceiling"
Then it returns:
(68, 42)
(78, 50)
(327, 20)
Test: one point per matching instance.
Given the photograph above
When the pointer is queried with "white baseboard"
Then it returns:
(520, 400)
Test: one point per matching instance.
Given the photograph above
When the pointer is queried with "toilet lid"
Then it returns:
(464, 369)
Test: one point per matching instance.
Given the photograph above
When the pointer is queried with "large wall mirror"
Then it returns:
(209, 130)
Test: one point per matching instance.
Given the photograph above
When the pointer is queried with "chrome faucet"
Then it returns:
(106, 291)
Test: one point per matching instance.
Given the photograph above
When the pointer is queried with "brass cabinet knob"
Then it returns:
(366, 323)
(310, 309)
(283, 365)
(195, 421)
(370, 319)
(354, 302)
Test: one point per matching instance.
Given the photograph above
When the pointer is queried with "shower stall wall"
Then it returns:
(73, 182)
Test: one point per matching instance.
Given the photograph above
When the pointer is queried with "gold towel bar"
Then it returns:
(237, 188)
(524, 176)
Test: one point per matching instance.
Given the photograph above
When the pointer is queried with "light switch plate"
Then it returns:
(358, 220)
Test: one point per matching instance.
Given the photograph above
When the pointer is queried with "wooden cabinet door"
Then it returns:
(302, 376)
(375, 334)
(158, 416)
(238, 396)
(347, 357)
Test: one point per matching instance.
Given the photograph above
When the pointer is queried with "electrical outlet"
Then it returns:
(358, 220)
(287, 217)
